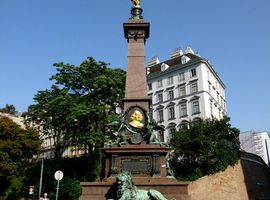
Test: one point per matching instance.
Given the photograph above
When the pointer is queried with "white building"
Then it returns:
(184, 88)
(257, 143)
(16, 118)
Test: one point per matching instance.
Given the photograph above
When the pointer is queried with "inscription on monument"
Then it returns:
(136, 166)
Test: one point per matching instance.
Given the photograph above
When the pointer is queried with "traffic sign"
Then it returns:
(58, 175)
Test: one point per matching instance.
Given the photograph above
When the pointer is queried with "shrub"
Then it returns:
(206, 147)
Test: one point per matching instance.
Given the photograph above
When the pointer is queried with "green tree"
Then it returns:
(17, 148)
(206, 147)
(9, 108)
(50, 115)
(70, 189)
(78, 106)
(15, 188)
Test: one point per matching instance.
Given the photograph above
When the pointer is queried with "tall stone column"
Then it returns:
(136, 32)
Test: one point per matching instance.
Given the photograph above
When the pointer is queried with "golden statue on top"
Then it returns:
(136, 2)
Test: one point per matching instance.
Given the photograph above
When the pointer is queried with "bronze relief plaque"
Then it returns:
(136, 165)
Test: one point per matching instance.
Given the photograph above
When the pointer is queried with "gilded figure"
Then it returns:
(136, 2)
(136, 119)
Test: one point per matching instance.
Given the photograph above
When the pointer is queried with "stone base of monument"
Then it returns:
(146, 163)
(169, 187)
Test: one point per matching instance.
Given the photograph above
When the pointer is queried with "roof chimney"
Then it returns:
(177, 53)
(153, 61)
(189, 50)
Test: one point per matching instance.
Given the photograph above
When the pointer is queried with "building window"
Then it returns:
(171, 113)
(170, 94)
(151, 98)
(159, 83)
(181, 77)
(159, 97)
(182, 90)
(184, 124)
(160, 116)
(170, 80)
(209, 88)
(150, 112)
(194, 87)
(193, 72)
(211, 109)
(183, 109)
(160, 135)
(149, 86)
(171, 130)
(195, 107)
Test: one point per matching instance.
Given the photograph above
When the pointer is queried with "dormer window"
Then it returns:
(164, 66)
(184, 59)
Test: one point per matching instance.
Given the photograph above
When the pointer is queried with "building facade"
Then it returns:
(18, 119)
(257, 143)
(184, 88)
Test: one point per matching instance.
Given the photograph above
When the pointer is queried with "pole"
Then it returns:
(267, 153)
(58, 175)
(41, 177)
(57, 188)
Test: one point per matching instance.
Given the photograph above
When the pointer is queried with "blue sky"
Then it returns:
(233, 35)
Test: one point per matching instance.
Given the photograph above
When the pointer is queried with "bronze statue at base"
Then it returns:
(126, 190)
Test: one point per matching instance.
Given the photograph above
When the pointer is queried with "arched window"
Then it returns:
(183, 108)
(171, 129)
(160, 135)
(171, 111)
(183, 124)
(195, 105)
(159, 114)
(195, 121)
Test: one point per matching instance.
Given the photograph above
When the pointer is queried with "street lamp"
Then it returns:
(41, 174)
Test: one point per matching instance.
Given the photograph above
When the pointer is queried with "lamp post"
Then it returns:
(41, 175)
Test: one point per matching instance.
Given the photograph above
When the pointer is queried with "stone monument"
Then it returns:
(135, 150)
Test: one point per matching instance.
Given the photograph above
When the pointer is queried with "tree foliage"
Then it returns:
(70, 189)
(17, 148)
(9, 108)
(206, 147)
(15, 188)
(78, 106)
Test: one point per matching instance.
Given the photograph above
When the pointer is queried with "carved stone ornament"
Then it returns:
(136, 34)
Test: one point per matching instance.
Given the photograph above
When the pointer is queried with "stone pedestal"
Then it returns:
(144, 160)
